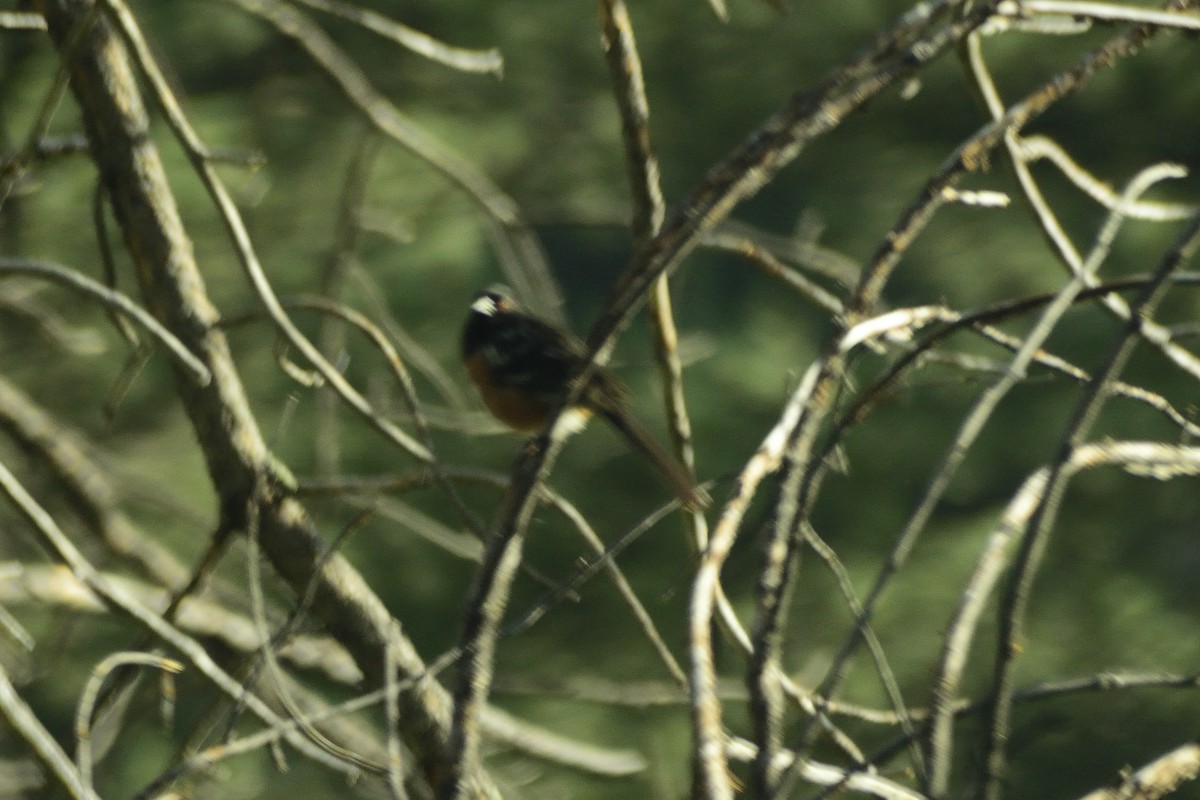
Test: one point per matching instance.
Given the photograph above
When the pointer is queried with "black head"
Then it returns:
(493, 302)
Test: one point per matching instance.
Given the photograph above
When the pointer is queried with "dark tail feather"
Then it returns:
(691, 495)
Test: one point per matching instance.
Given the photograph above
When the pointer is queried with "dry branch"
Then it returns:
(102, 81)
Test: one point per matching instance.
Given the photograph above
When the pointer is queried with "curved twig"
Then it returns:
(114, 300)
(488, 61)
(746, 171)
(1041, 521)
(519, 251)
(198, 155)
(87, 703)
(798, 488)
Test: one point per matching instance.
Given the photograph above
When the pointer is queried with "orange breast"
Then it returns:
(514, 407)
(511, 406)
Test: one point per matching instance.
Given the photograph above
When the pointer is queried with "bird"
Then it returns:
(523, 368)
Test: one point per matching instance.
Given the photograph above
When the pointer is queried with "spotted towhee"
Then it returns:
(523, 367)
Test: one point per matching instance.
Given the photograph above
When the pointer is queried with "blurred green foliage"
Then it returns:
(1119, 587)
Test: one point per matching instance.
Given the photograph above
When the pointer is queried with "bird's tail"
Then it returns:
(692, 496)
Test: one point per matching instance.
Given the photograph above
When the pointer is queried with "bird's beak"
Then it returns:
(485, 304)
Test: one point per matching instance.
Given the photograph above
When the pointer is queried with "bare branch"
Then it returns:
(114, 300)
(232, 444)
(87, 703)
(800, 484)
(1041, 521)
(487, 61)
(1034, 148)
(1160, 777)
(20, 21)
(1110, 12)
(198, 154)
(518, 249)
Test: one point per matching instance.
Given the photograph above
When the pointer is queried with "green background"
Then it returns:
(1118, 590)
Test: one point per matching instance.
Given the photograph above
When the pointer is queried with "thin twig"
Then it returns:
(233, 447)
(407, 391)
(56, 542)
(85, 484)
(649, 209)
(741, 175)
(1048, 221)
(1041, 521)
(487, 61)
(275, 670)
(14, 167)
(766, 261)
(954, 654)
(825, 775)
(331, 332)
(1112, 12)
(763, 675)
(1101, 682)
(111, 299)
(108, 265)
(1160, 777)
(425, 478)
(391, 715)
(518, 249)
(21, 21)
(982, 321)
(87, 703)
(22, 719)
(232, 218)
(970, 155)
(1034, 148)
